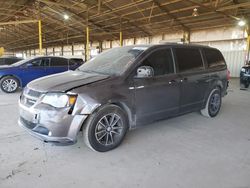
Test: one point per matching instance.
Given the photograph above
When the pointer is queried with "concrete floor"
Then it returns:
(187, 151)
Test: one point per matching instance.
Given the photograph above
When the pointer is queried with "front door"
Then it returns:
(157, 97)
(34, 69)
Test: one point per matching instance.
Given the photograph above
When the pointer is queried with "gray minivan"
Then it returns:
(121, 89)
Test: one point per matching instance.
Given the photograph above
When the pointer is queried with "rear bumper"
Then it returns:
(51, 126)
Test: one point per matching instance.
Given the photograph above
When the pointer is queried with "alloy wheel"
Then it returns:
(109, 129)
(9, 85)
(215, 103)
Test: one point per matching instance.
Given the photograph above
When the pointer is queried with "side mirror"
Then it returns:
(145, 72)
(29, 65)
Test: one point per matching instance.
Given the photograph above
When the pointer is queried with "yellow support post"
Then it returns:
(248, 44)
(121, 39)
(87, 43)
(248, 47)
(40, 36)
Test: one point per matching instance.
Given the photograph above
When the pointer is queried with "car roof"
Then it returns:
(10, 57)
(54, 57)
(170, 44)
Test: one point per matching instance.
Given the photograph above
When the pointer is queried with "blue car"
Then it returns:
(19, 74)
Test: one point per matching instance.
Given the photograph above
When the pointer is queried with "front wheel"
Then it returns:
(246, 85)
(9, 84)
(213, 104)
(106, 128)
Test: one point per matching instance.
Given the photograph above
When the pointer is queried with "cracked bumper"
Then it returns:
(50, 124)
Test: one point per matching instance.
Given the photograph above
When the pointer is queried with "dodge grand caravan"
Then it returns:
(121, 89)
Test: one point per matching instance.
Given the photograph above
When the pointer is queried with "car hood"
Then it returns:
(65, 81)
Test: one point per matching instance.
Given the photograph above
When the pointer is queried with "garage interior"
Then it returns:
(187, 151)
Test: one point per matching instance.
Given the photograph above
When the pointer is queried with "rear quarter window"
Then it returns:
(189, 59)
(214, 58)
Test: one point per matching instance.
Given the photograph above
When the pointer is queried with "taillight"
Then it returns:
(228, 74)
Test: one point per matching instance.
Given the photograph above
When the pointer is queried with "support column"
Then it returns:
(121, 39)
(100, 46)
(248, 44)
(62, 50)
(186, 37)
(87, 43)
(40, 36)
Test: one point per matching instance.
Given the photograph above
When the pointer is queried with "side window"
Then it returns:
(57, 61)
(189, 59)
(214, 58)
(45, 62)
(161, 61)
(37, 63)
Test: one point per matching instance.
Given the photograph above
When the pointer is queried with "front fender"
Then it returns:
(85, 105)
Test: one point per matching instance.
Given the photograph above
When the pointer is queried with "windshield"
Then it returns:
(21, 62)
(114, 61)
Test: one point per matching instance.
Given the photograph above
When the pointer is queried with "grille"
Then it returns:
(31, 92)
(29, 97)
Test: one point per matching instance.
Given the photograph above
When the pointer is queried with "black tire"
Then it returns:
(213, 103)
(99, 132)
(246, 85)
(13, 84)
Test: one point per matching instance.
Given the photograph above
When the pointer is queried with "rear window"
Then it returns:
(189, 59)
(76, 61)
(57, 61)
(214, 58)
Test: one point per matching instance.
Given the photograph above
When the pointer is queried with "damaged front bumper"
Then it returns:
(50, 124)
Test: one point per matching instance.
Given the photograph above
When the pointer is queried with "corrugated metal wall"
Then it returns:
(235, 60)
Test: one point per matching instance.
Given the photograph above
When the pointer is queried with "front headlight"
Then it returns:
(59, 100)
(243, 70)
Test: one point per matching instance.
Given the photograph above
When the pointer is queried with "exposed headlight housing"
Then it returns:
(243, 70)
(59, 100)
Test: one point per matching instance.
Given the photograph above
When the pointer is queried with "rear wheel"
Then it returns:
(105, 129)
(213, 104)
(9, 84)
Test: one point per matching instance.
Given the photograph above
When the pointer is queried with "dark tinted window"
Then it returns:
(77, 61)
(57, 61)
(2, 61)
(37, 63)
(9, 61)
(41, 62)
(45, 62)
(188, 59)
(214, 58)
(161, 61)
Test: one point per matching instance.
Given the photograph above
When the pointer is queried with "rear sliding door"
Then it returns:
(194, 78)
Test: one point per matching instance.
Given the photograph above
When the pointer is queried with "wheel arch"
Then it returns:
(119, 104)
(215, 84)
(12, 75)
